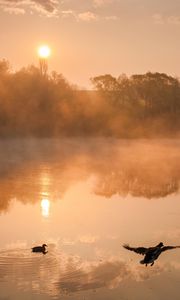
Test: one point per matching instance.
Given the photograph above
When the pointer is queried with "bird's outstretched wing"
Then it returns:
(139, 250)
(168, 248)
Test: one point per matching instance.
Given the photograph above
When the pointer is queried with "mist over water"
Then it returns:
(143, 168)
(85, 198)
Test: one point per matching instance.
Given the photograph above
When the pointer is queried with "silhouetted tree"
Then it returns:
(136, 106)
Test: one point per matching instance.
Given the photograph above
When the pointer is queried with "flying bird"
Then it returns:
(41, 249)
(151, 253)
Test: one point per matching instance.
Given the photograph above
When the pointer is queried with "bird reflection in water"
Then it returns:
(151, 253)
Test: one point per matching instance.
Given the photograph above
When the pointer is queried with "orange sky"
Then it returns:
(92, 37)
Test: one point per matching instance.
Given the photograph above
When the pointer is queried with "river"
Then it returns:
(85, 198)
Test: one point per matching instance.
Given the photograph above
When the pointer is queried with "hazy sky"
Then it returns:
(93, 37)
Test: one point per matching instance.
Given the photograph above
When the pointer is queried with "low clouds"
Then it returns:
(162, 20)
(44, 7)
(100, 3)
(62, 9)
(173, 20)
(48, 5)
(14, 10)
(157, 19)
(87, 16)
(78, 10)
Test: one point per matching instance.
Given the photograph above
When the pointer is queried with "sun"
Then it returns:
(44, 51)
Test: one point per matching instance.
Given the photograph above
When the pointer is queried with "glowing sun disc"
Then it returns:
(44, 51)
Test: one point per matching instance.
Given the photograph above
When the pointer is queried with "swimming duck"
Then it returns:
(151, 253)
(41, 249)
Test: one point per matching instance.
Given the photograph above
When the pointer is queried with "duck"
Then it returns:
(41, 249)
(151, 253)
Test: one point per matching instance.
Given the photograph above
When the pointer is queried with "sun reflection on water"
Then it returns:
(45, 205)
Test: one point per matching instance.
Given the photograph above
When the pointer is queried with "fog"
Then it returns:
(143, 168)
(140, 106)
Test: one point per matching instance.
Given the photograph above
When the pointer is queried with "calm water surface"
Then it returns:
(85, 198)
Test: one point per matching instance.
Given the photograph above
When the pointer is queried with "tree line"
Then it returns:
(146, 105)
